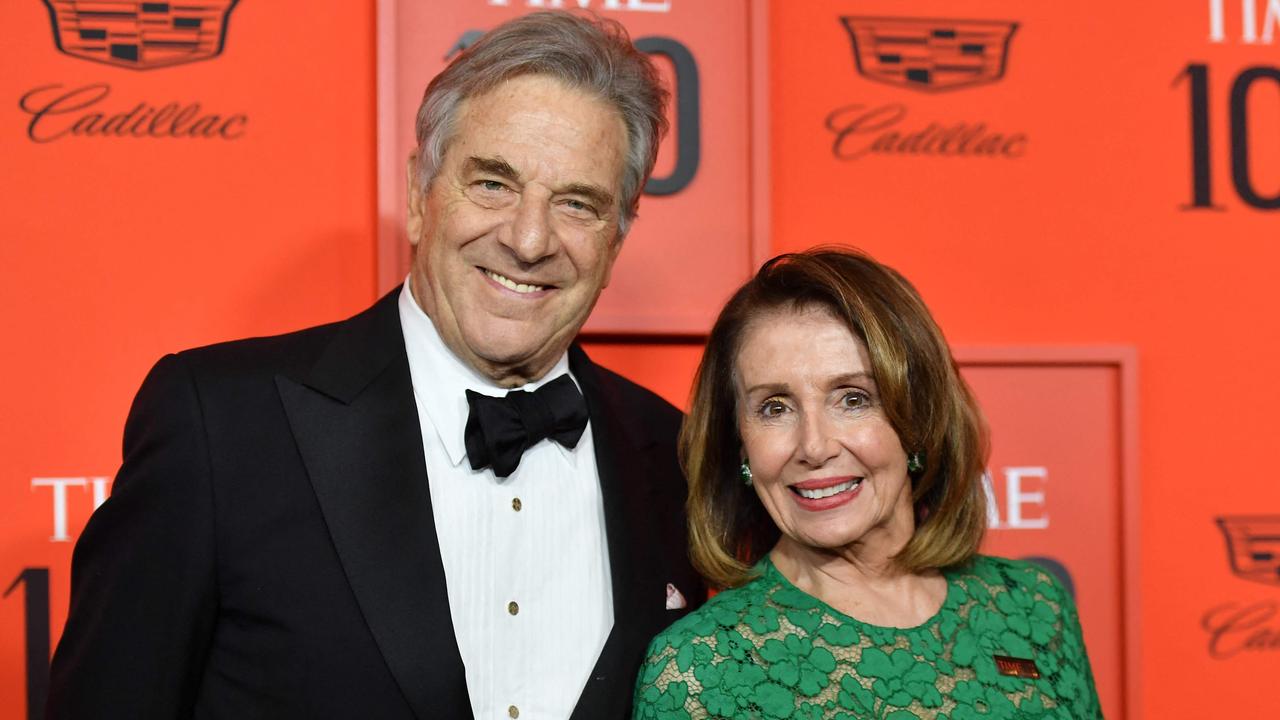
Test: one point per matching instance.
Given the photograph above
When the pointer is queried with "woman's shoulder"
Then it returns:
(994, 595)
(1022, 610)
(726, 609)
(701, 664)
(1022, 576)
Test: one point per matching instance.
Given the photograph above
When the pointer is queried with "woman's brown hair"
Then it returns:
(924, 399)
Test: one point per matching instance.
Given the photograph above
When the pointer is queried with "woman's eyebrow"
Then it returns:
(771, 387)
(846, 378)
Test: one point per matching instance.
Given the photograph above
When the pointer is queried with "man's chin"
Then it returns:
(518, 359)
(507, 349)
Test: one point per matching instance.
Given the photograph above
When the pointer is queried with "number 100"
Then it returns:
(1201, 180)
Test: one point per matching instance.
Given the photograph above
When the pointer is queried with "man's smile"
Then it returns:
(523, 288)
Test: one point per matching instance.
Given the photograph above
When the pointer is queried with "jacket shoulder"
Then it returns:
(292, 352)
(275, 352)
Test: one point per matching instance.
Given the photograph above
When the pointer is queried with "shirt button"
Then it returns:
(514, 609)
(515, 505)
(513, 712)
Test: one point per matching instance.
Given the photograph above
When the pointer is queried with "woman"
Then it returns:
(834, 459)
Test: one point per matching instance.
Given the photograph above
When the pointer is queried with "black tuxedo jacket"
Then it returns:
(268, 550)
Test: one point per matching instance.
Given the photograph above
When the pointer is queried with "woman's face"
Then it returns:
(826, 464)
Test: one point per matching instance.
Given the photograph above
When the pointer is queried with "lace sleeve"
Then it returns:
(667, 686)
(708, 665)
(1074, 682)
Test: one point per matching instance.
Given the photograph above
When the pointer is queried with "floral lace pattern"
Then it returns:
(767, 650)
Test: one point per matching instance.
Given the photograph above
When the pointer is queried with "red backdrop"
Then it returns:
(1090, 209)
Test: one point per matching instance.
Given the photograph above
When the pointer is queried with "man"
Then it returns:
(346, 522)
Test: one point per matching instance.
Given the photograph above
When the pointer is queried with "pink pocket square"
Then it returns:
(675, 601)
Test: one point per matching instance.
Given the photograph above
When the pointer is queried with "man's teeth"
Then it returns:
(510, 284)
(827, 491)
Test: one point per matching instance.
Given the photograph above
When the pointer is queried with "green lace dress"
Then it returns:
(768, 650)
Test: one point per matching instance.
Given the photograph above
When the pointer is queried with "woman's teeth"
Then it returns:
(510, 284)
(827, 491)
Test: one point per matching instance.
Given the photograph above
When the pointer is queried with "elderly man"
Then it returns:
(439, 508)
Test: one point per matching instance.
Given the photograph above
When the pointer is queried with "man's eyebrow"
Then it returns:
(601, 198)
(493, 166)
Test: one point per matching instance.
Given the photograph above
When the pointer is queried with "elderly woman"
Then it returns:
(834, 459)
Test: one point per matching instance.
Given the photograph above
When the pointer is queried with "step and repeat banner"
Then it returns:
(173, 174)
(1059, 175)
(1086, 194)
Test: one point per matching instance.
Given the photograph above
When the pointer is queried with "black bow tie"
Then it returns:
(500, 429)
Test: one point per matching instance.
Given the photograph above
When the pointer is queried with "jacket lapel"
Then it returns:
(356, 424)
(623, 460)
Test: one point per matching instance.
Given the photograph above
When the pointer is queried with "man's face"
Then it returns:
(517, 234)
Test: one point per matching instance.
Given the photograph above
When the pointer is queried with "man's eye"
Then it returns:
(580, 209)
(491, 194)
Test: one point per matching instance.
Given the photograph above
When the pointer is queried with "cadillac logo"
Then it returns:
(930, 55)
(140, 35)
(1253, 545)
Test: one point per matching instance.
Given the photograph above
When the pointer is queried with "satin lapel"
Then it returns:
(623, 460)
(356, 425)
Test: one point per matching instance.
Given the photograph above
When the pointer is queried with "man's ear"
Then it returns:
(613, 257)
(416, 200)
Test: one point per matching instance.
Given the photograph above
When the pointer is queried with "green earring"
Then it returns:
(744, 472)
(915, 462)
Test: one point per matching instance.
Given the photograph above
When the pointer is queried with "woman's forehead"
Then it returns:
(804, 346)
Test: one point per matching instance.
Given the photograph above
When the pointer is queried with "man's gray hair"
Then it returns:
(594, 55)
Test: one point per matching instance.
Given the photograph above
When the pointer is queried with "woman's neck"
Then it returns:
(863, 581)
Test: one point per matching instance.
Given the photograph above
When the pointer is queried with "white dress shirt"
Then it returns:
(525, 558)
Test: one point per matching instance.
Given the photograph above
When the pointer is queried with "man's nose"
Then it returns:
(532, 236)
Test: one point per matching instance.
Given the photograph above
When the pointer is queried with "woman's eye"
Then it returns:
(854, 400)
(772, 408)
